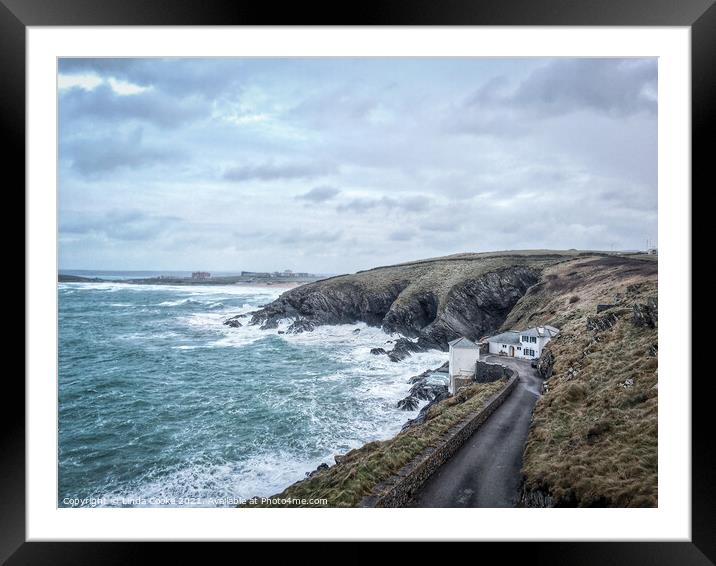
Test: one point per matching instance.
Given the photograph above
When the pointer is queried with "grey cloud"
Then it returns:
(334, 108)
(440, 225)
(119, 225)
(102, 104)
(606, 85)
(562, 166)
(614, 87)
(298, 236)
(320, 194)
(271, 171)
(295, 236)
(415, 203)
(95, 156)
(401, 235)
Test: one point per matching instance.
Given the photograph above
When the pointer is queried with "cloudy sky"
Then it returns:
(334, 165)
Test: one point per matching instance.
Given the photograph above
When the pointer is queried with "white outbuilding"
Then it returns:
(522, 343)
(464, 355)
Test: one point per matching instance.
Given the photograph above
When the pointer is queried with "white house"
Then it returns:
(464, 355)
(522, 343)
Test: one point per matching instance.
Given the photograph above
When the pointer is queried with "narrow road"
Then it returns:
(485, 471)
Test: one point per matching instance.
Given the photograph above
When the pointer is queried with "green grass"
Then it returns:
(361, 470)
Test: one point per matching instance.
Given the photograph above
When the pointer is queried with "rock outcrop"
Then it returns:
(423, 389)
(429, 303)
(423, 414)
(646, 314)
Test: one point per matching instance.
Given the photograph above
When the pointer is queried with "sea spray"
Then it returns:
(161, 402)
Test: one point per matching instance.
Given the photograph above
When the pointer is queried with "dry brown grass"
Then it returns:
(360, 470)
(593, 440)
(438, 276)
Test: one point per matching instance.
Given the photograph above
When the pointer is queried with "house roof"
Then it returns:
(513, 336)
(462, 343)
(510, 337)
(541, 331)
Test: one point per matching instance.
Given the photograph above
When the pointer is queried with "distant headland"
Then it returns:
(285, 278)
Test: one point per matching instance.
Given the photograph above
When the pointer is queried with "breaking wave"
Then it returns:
(160, 400)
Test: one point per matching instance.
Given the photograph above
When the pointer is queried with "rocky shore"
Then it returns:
(428, 303)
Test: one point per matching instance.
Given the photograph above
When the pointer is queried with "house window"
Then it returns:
(533, 339)
(525, 338)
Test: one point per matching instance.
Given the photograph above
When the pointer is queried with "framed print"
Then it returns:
(291, 277)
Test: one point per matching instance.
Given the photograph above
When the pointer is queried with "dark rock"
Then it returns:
(267, 325)
(425, 391)
(545, 364)
(421, 390)
(233, 322)
(282, 332)
(602, 308)
(473, 307)
(602, 322)
(377, 351)
(646, 314)
(423, 414)
(404, 348)
(535, 498)
(320, 468)
(356, 331)
(301, 325)
(408, 404)
(421, 377)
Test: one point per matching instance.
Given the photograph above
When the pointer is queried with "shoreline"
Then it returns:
(189, 282)
(281, 285)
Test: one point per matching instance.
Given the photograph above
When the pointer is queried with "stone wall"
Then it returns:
(399, 490)
(487, 373)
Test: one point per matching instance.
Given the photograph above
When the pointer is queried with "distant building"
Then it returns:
(522, 343)
(652, 251)
(200, 275)
(463, 358)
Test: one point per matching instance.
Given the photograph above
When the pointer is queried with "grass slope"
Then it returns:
(439, 275)
(593, 439)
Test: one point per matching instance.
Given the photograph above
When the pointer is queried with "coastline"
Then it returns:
(280, 285)
(188, 281)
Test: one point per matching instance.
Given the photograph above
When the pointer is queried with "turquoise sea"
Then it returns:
(162, 404)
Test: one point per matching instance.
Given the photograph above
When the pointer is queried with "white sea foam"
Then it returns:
(370, 385)
(262, 475)
(269, 293)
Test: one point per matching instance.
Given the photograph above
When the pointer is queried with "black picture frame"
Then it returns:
(17, 15)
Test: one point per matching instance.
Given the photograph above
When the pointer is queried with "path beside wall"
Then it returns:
(400, 489)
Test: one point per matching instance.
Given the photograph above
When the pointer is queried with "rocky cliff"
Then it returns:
(593, 437)
(428, 302)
